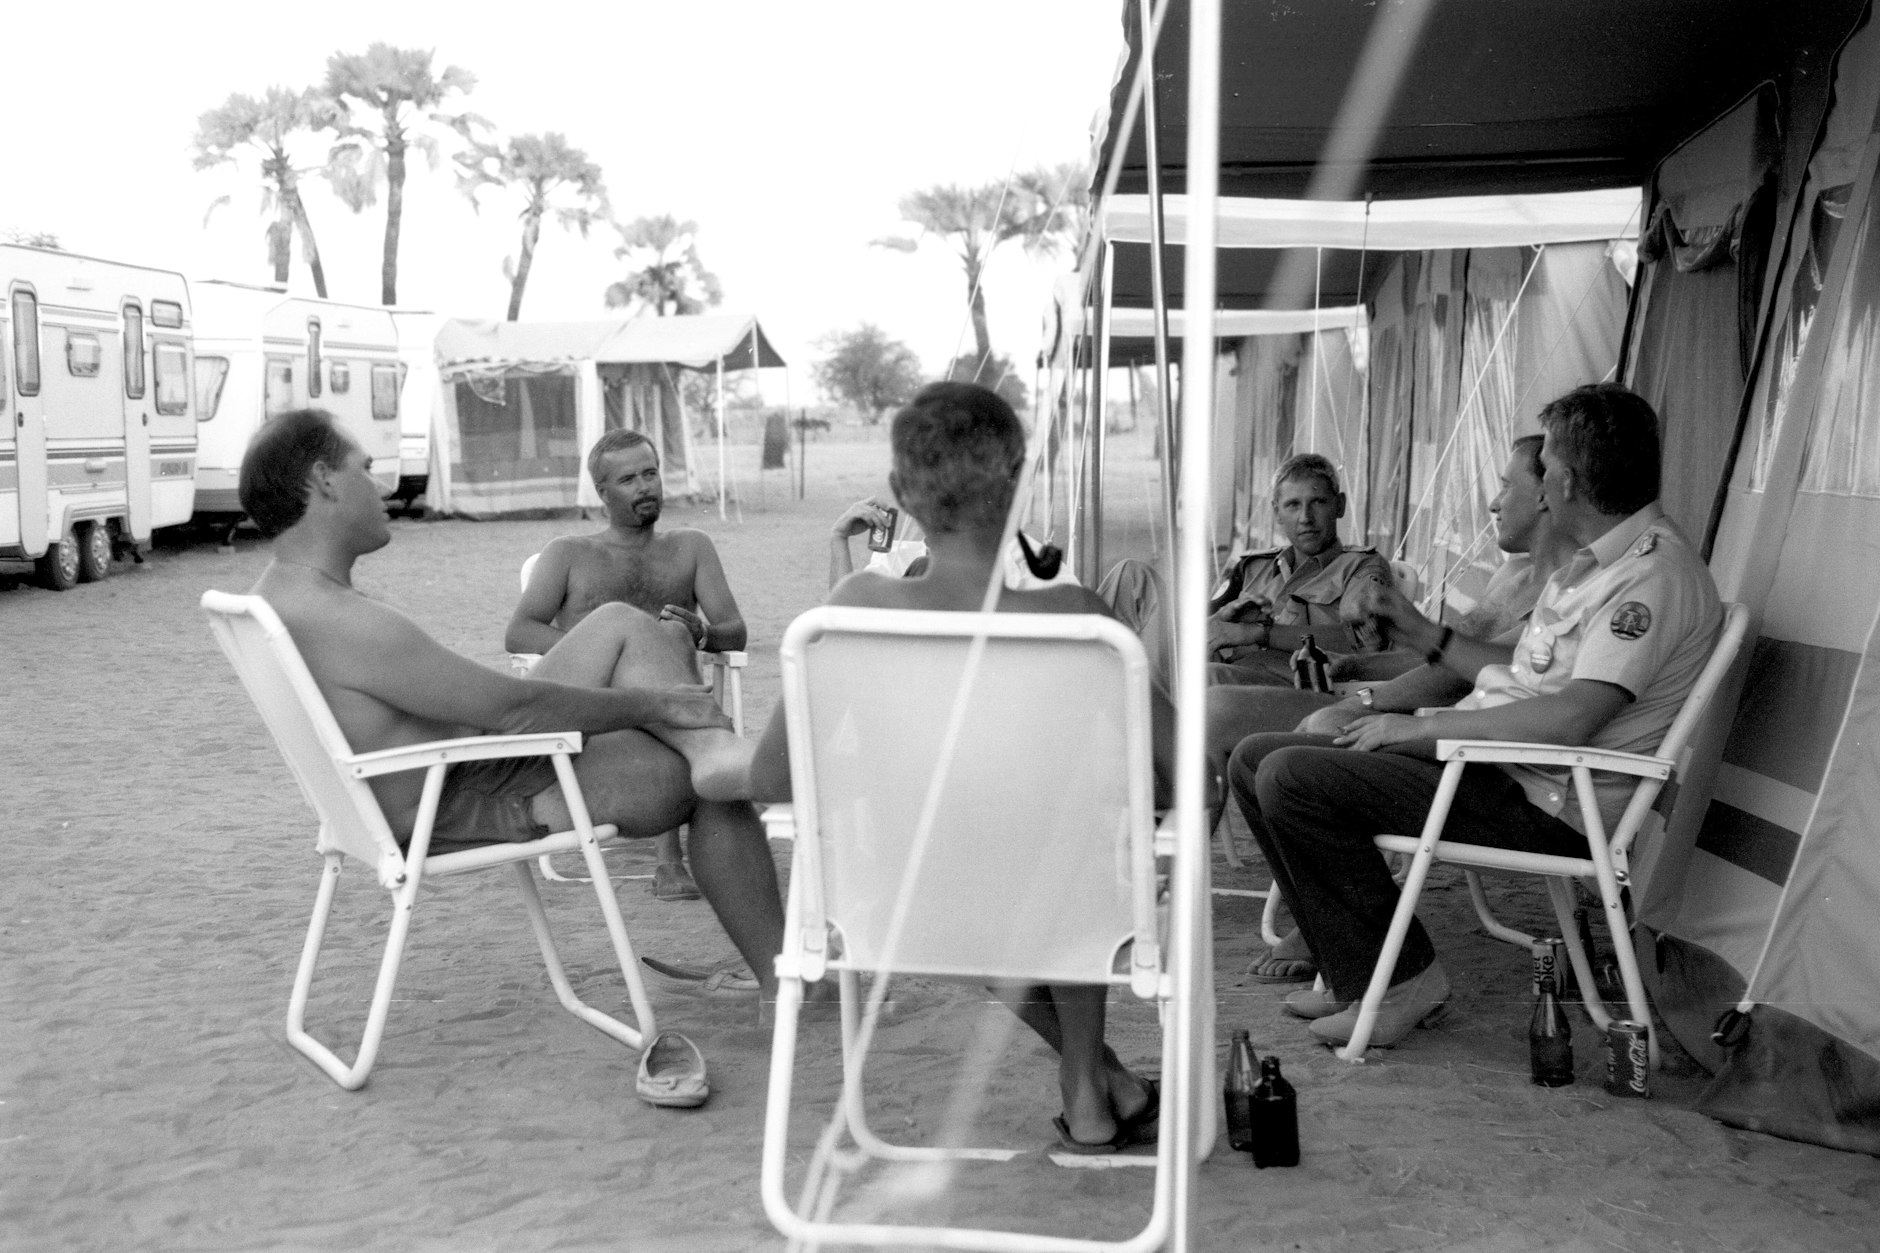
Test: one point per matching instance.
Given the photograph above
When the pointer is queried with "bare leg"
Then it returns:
(619, 646)
(731, 861)
(1096, 1088)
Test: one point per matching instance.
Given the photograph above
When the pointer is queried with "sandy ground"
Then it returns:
(157, 873)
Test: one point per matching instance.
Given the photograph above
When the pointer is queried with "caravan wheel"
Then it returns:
(94, 551)
(58, 569)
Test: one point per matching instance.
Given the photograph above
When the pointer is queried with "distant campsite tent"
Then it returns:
(523, 402)
(1755, 328)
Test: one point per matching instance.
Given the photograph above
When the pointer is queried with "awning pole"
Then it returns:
(1102, 431)
(1158, 288)
(1192, 951)
(722, 488)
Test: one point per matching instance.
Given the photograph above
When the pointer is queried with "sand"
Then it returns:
(155, 888)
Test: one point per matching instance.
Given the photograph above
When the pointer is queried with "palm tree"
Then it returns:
(976, 220)
(667, 277)
(545, 168)
(266, 125)
(397, 86)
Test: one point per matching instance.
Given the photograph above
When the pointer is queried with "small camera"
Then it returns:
(881, 534)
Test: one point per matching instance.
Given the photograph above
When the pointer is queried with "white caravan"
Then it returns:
(97, 428)
(418, 401)
(261, 352)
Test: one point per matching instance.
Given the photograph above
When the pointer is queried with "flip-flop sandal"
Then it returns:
(672, 1073)
(1273, 969)
(1144, 1125)
(728, 979)
(1084, 1148)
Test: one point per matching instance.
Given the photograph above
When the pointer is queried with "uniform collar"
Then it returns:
(1615, 543)
(1290, 560)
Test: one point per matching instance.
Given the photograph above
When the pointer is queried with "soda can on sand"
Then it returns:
(1547, 961)
(1628, 1059)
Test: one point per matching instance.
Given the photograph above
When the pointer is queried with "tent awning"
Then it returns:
(698, 342)
(1390, 225)
(1495, 97)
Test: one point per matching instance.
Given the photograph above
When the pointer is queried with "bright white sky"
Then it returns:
(788, 130)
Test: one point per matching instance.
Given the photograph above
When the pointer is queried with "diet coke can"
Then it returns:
(1628, 1059)
(1547, 961)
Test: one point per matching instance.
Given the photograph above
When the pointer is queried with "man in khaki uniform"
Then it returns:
(1268, 602)
(1611, 651)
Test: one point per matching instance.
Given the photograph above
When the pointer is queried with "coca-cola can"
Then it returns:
(1547, 961)
(1628, 1059)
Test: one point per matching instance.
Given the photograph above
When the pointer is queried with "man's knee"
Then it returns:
(636, 783)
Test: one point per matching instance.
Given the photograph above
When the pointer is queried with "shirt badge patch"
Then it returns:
(1646, 543)
(1631, 620)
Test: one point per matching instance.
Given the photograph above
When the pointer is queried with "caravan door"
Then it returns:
(136, 423)
(29, 420)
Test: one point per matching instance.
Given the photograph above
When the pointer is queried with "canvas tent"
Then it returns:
(523, 402)
(1752, 327)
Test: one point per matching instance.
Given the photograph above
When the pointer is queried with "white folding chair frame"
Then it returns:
(359, 830)
(1606, 860)
(807, 955)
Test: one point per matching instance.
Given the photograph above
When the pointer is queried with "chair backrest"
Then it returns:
(1020, 743)
(270, 667)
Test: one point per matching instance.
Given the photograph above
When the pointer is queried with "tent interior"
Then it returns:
(524, 401)
(1753, 326)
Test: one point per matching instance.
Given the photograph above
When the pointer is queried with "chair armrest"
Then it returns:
(779, 821)
(470, 748)
(1555, 755)
(737, 659)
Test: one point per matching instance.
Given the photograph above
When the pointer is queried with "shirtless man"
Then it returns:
(958, 451)
(656, 740)
(675, 577)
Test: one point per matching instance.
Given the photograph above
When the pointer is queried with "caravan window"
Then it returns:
(26, 342)
(339, 376)
(279, 395)
(385, 392)
(166, 313)
(313, 356)
(211, 374)
(133, 352)
(83, 354)
(172, 361)
(3, 365)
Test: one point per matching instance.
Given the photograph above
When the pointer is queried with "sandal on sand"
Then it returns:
(730, 978)
(672, 1073)
(1083, 1148)
(1144, 1126)
(672, 883)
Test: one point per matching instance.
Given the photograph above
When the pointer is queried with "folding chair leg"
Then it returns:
(1406, 910)
(564, 991)
(1561, 890)
(351, 1077)
(1493, 925)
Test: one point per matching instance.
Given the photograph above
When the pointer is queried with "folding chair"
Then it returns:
(973, 799)
(727, 671)
(333, 779)
(1606, 862)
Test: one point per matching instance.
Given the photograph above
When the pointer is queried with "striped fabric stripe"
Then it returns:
(1792, 700)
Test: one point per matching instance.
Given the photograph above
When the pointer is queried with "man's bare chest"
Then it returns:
(648, 580)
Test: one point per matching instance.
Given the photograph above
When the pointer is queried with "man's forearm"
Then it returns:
(526, 635)
(841, 564)
(1331, 636)
(1421, 688)
(726, 637)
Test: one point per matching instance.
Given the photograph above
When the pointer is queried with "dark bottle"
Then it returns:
(1311, 668)
(1237, 1093)
(1550, 1039)
(1275, 1109)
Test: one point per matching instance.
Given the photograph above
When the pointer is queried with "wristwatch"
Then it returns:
(1367, 697)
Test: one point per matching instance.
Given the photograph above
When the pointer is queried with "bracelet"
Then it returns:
(1435, 655)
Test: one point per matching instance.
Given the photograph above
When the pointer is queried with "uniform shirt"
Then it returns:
(1296, 592)
(1636, 608)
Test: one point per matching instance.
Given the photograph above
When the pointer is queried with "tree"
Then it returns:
(667, 277)
(995, 372)
(976, 220)
(550, 175)
(867, 369)
(266, 125)
(31, 239)
(396, 86)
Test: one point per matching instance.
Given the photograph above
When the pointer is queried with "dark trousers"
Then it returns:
(1314, 809)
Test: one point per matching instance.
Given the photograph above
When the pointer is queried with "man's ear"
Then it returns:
(320, 481)
(1341, 506)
